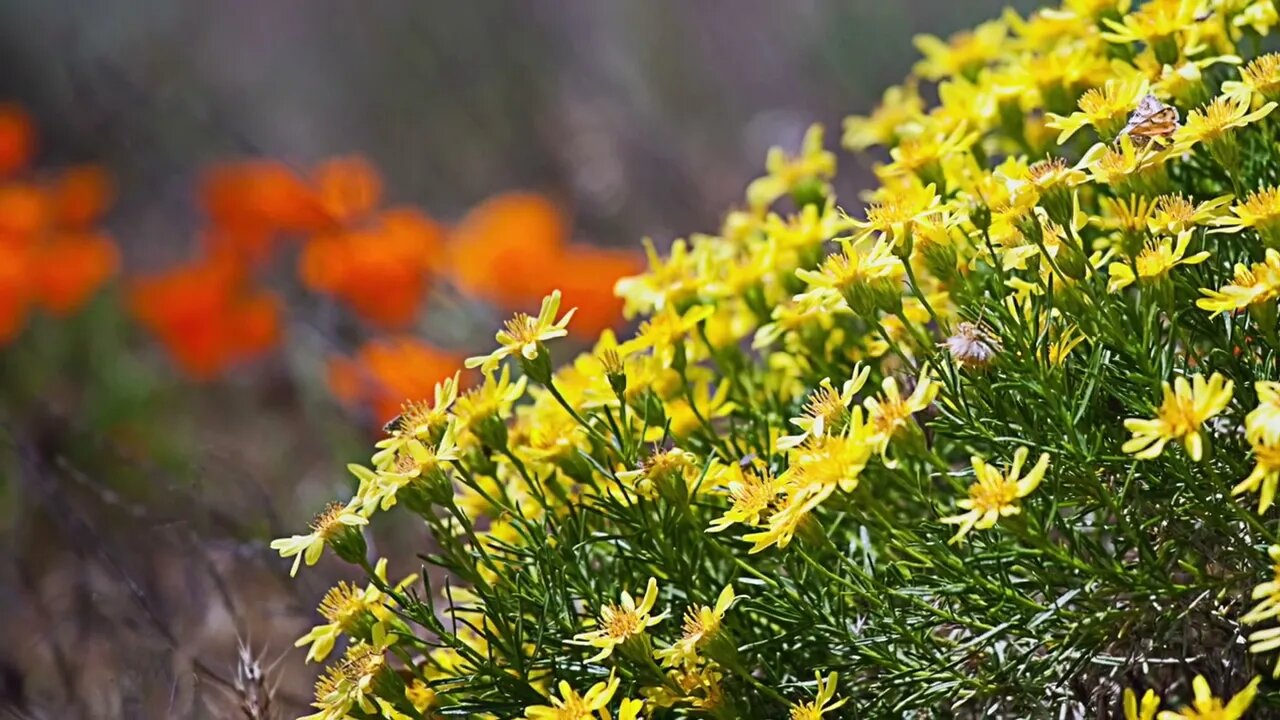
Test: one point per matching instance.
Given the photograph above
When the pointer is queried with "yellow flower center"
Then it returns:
(326, 524)
(1263, 73)
(619, 623)
(992, 495)
(522, 329)
(342, 604)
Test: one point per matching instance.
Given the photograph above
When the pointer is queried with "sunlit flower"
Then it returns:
(891, 413)
(1206, 706)
(995, 494)
(330, 526)
(1186, 406)
(826, 408)
(701, 626)
(963, 54)
(1260, 210)
(899, 106)
(1250, 285)
(1265, 475)
(523, 336)
(821, 703)
(1146, 710)
(1106, 109)
(1156, 259)
(868, 275)
(1262, 424)
(751, 490)
(619, 623)
(786, 173)
(1215, 121)
(572, 706)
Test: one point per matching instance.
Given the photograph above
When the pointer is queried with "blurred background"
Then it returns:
(234, 235)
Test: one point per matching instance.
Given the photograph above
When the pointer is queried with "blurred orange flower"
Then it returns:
(512, 250)
(380, 270)
(68, 268)
(206, 315)
(385, 373)
(257, 195)
(50, 254)
(17, 139)
(502, 243)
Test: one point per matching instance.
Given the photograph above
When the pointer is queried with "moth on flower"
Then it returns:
(1151, 120)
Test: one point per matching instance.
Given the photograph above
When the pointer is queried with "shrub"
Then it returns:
(1004, 444)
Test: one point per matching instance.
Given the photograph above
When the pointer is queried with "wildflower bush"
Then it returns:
(1003, 444)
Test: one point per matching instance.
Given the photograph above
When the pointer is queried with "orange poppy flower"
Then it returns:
(585, 277)
(349, 188)
(24, 213)
(261, 195)
(205, 315)
(80, 197)
(70, 267)
(388, 372)
(502, 243)
(15, 290)
(381, 271)
(17, 140)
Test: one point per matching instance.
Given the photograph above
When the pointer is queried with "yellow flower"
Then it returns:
(1121, 161)
(330, 526)
(1260, 78)
(867, 275)
(572, 706)
(492, 400)
(620, 623)
(900, 106)
(665, 331)
(1154, 260)
(349, 611)
(781, 526)
(963, 54)
(1155, 23)
(351, 683)
(1265, 475)
(897, 210)
(1214, 122)
(421, 697)
(523, 336)
(1172, 214)
(825, 408)
(825, 463)
(891, 414)
(1061, 347)
(1146, 711)
(1262, 424)
(921, 154)
(1186, 406)
(787, 173)
(1249, 286)
(701, 626)
(821, 703)
(1267, 593)
(672, 280)
(751, 491)
(1260, 210)
(1206, 706)
(994, 494)
(1106, 109)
